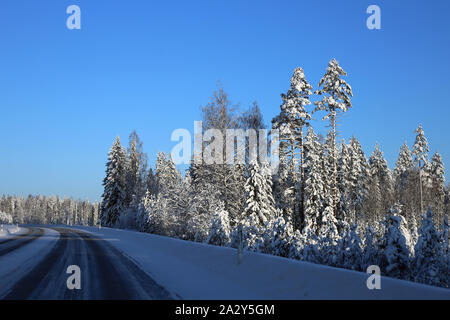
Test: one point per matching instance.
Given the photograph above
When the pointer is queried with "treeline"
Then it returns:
(47, 210)
(327, 203)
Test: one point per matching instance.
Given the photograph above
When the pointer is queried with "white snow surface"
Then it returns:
(9, 230)
(199, 271)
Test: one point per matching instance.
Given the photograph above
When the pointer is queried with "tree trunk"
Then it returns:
(333, 136)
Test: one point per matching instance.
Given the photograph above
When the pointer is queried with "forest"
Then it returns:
(327, 202)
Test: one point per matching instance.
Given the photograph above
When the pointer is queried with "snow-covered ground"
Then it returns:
(8, 230)
(199, 271)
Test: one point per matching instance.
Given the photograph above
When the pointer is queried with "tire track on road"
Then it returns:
(20, 241)
(105, 273)
(15, 237)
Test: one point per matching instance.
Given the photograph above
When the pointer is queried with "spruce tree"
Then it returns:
(113, 199)
(420, 153)
(314, 185)
(437, 190)
(260, 202)
(428, 261)
(395, 256)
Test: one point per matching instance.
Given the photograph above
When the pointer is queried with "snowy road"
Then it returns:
(105, 272)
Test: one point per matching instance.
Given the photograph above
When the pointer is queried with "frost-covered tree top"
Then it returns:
(293, 113)
(404, 160)
(378, 164)
(420, 148)
(335, 90)
(437, 168)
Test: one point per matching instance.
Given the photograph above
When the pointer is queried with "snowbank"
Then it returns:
(8, 230)
(199, 271)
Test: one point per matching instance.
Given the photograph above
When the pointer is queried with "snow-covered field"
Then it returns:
(199, 271)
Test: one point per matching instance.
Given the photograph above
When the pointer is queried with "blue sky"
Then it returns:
(147, 65)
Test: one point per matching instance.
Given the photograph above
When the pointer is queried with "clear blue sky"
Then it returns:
(150, 65)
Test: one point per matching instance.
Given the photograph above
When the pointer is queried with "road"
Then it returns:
(105, 272)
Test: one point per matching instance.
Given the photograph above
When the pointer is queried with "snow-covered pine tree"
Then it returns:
(279, 236)
(350, 250)
(329, 237)
(420, 159)
(167, 175)
(151, 184)
(314, 185)
(437, 190)
(336, 99)
(429, 259)
(220, 230)
(260, 202)
(404, 181)
(344, 215)
(379, 169)
(395, 256)
(113, 199)
(358, 181)
(371, 253)
(290, 122)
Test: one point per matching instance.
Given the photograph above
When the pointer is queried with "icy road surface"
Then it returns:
(33, 265)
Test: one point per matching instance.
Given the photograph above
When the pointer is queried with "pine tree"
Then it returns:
(220, 230)
(404, 181)
(344, 185)
(437, 190)
(428, 261)
(395, 256)
(420, 153)
(279, 236)
(113, 199)
(371, 253)
(329, 237)
(350, 254)
(260, 202)
(336, 99)
(381, 173)
(314, 185)
(358, 181)
(290, 122)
